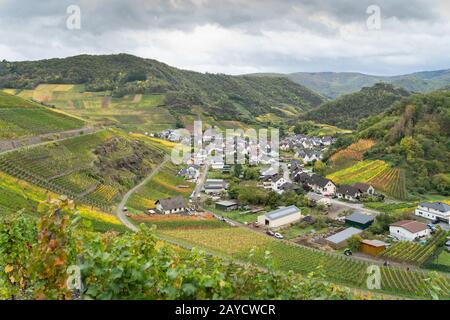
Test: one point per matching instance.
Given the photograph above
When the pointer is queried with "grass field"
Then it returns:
(376, 172)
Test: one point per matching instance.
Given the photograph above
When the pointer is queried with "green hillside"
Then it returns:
(94, 169)
(220, 96)
(335, 84)
(21, 118)
(346, 111)
(414, 134)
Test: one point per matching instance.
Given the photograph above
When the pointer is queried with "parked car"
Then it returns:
(278, 236)
(270, 233)
(348, 252)
(435, 222)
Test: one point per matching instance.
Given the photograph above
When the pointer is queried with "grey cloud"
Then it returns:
(255, 33)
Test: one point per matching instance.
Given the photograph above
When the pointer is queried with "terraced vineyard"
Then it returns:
(352, 153)
(134, 112)
(414, 252)
(361, 172)
(20, 197)
(376, 172)
(20, 118)
(239, 242)
(74, 168)
(392, 181)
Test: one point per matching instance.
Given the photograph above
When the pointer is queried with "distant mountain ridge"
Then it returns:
(335, 84)
(222, 96)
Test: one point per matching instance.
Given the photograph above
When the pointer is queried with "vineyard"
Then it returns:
(376, 172)
(414, 252)
(72, 168)
(134, 112)
(20, 197)
(392, 181)
(21, 118)
(165, 184)
(352, 153)
(239, 242)
(177, 222)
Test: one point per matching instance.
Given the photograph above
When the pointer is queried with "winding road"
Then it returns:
(120, 213)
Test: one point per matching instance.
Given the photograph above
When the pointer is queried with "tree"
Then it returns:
(354, 243)
(273, 199)
(304, 127)
(251, 174)
(237, 170)
(320, 167)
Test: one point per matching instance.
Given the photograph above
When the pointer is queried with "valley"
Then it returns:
(100, 138)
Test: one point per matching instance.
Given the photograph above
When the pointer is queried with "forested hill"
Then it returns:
(414, 134)
(335, 84)
(223, 96)
(346, 111)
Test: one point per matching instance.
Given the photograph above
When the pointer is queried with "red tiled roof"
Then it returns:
(410, 225)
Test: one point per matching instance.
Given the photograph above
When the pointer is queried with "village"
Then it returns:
(288, 201)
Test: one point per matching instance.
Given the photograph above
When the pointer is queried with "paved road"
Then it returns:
(345, 205)
(286, 174)
(201, 181)
(120, 213)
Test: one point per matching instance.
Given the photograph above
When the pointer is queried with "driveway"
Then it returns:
(338, 205)
(200, 182)
(286, 174)
(120, 208)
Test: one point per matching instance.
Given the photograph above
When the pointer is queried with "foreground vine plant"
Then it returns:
(36, 256)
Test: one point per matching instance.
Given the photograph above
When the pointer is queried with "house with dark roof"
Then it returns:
(434, 211)
(171, 205)
(280, 217)
(322, 185)
(227, 205)
(348, 192)
(409, 230)
(215, 186)
(365, 188)
(301, 177)
(359, 220)
(288, 186)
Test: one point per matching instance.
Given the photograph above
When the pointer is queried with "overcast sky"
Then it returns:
(237, 36)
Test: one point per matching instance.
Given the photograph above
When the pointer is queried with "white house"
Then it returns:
(322, 185)
(348, 192)
(171, 205)
(217, 164)
(364, 188)
(277, 183)
(434, 211)
(273, 182)
(280, 217)
(409, 230)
